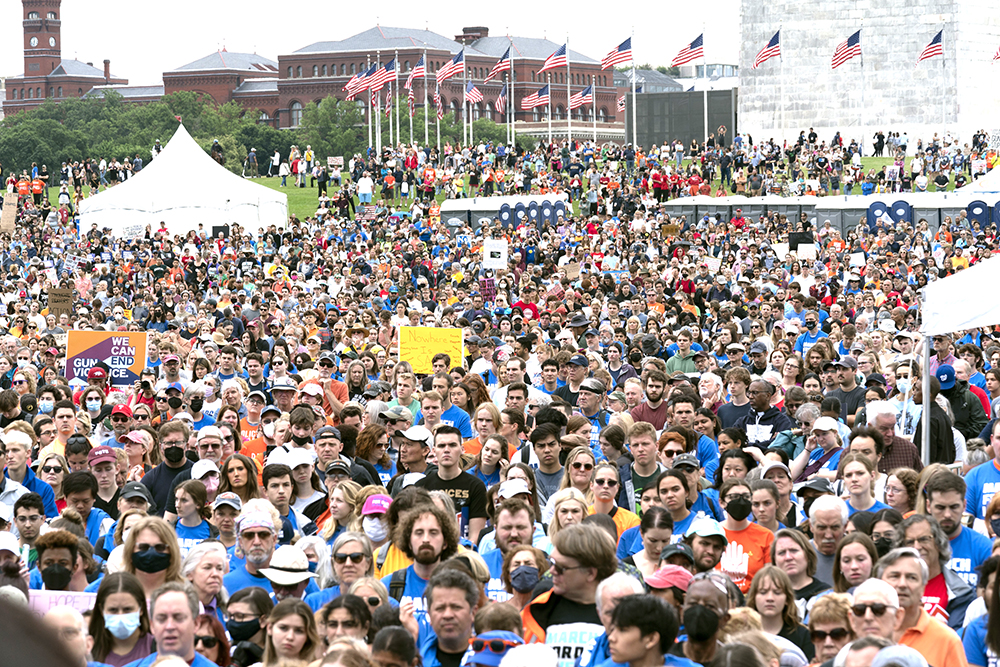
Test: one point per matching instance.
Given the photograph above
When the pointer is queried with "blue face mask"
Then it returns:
(312, 567)
(45, 407)
(121, 626)
(93, 406)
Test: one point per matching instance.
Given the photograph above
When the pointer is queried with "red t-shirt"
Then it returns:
(936, 599)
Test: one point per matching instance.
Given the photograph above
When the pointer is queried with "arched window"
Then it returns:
(79, 92)
(406, 65)
(32, 16)
(532, 75)
(29, 93)
(298, 72)
(60, 91)
(602, 114)
(477, 111)
(557, 113)
(315, 70)
(456, 109)
(324, 70)
(289, 72)
(52, 16)
(52, 91)
(536, 115)
(352, 69)
(488, 110)
(296, 113)
(13, 93)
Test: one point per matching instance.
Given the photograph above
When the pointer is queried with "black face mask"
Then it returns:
(56, 577)
(301, 440)
(175, 402)
(150, 561)
(173, 454)
(883, 545)
(738, 508)
(700, 622)
(197, 404)
(242, 631)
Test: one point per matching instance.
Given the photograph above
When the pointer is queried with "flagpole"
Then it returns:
(548, 84)
(426, 119)
(438, 122)
(378, 105)
(511, 109)
(593, 82)
(781, 76)
(465, 117)
(635, 134)
(368, 103)
(864, 131)
(704, 93)
(944, 97)
(470, 121)
(569, 113)
(395, 95)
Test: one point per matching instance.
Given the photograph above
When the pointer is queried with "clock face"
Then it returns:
(52, 41)
(34, 41)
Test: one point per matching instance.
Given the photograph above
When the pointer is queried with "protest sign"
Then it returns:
(8, 218)
(335, 162)
(133, 231)
(418, 345)
(495, 254)
(781, 250)
(435, 213)
(620, 275)
(669, 230)
(713, 263)
(572, 270)
(124, 352)
(61, 301)
(488, 289)
(806, 251)
(41, 602)
(857, 259)
(366, 213)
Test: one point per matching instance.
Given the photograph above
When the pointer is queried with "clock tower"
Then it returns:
(42, 41)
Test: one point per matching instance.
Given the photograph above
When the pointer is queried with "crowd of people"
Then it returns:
(654, 450)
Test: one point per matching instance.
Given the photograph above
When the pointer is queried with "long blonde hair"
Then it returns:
(568, 495)
(350, 490)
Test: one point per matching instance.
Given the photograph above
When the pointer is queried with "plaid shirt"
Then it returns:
(900, 453)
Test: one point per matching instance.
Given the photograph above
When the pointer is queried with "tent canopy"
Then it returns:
(957, 302)
(990, 182)
(183, 187)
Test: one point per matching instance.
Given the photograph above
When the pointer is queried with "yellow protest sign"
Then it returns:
(418, 345)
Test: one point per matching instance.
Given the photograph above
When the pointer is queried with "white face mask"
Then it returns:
(268, 430)
(375, 529)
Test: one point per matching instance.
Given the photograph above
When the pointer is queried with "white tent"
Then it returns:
(183, 187)
(990, 182)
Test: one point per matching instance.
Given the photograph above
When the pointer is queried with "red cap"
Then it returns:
(97, 373)
(100, 455)
(122, 409)
(669, 576)
(53, 351)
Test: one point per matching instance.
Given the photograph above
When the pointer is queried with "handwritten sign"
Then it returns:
(713, 263)
(495, 254)
(41, 602)
(806, 251)
(572, 270)
(366, 213)
(669, 230)
(124, 352)
(418, 345)
(8, 218)
(74, 262)
(336, 161)
(857, 258)
(61, 301)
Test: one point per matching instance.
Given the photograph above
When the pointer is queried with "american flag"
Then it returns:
(557, 59)
(504, 63)
(388, 101)
(360, 82)
(412, 104)
(374, 96)
(501, 102)
(440, 104)
(692, 51)
(385, 74)
(454, 66)
(537, 99)
(621, 103)
(935, 48)
(996, 56)
(584, 97)
(418, 72)
(847, 49)
(620, 54)
(772, 50)
(472, 94)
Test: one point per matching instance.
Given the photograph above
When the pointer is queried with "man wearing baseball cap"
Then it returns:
(579, 369)
(103, 463)
(121, 423)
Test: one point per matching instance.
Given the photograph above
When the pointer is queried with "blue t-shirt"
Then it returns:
(199, 661)
(707, 505)
(239, 579)
(968, 551)
(831, 464)
(453, 416)
(317, 600)
(806, 341)
(188, 537)
(630, 542)
(413, 592)
(386, 473)
(488, 480)
(874, 508)
(974, 642)
(94, 521)
(495, 589)
(708, 455)
(982, 483)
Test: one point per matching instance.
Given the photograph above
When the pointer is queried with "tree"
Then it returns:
(333, 128)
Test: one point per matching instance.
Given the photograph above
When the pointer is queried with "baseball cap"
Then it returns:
(847, 361)
(122, 409)
(289, 566)
(210, 431)
(137, 490)
(875, 378)
(687, 459)
(298, 456)
(170, 357)
(594, 386)
(338, 468)
(376, 504)
(312, 389)
(669, 576)
(270, 408)
(825, 424)
(418, 434)
(704, 527)
(758, 347)
(818, 484)
(283, 384)
(579, 360)
(946, 376)
(326, 432)
(513, 487)
(678, 549)
(228, 498)
(202, 468)
(774, 465)
(259, 394)
(397, 413)
(175, 385)
(97, 373)
(9, 543)
(100, 455)
(492, 647)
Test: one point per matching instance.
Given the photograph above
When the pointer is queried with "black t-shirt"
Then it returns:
(109, 506)
(729, 414)
(566, 394)
(449, 659)
(468, 493)
(159, 481)
(569, 626)
(849, 401)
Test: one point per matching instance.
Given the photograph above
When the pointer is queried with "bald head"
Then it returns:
(71, 628)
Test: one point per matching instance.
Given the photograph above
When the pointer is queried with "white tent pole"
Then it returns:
(925, 417)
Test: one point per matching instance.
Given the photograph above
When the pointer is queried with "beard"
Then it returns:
(426, 556)
(258, 558)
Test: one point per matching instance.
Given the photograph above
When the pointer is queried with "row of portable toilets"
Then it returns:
(538, 213)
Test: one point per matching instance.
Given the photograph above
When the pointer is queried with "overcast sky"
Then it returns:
(143, 42)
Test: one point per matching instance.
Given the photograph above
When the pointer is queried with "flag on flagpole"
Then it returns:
(374, 95)
(996, 56)
(557, 59)
(360, 82)
(582, 98)
(502, 64)
(692, 51)
(388, 101)
(847, 49)
(418, 72)
(935, 48)
(618, 55)
(501, 102)
(472, 94)
(621, 103)
(772, 50)
(539, 98)
(384, 75)
(411, 103)
(439, 104)
(454, 66)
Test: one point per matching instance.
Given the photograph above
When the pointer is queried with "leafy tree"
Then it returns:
(333, 128)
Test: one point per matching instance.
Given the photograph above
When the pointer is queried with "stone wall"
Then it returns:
(893, 92)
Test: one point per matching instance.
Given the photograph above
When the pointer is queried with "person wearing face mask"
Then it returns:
(47, 397)
(749, 547)
(704, 617)
(194, 397)
(173, 437)
(246, 612)
(209, 449)
(374, 522)
(119, 625)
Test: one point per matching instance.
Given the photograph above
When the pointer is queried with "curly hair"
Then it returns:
(448, 525)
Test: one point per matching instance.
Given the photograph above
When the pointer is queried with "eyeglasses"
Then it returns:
(924, 540)
(583, 466)
(355, 557)
(606, 482)
(50, 469)
(161, 399)
(836, 635)
(878, 609)
(159, 548)
(29, 519)
(373, 601)
(492, 645)
(262, 535)
(208, 641)
(558, 569)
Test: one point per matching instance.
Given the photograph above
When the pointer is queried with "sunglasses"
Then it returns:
(51, 469)
(606, 482)
(355, 557)
(836, 635)
(492, 645)
(583, 466)
(140, 417)
(373, 601)
(559, 569)
(160, 548)
(118, 420)
(878, 609)
(161, 399)
(208, 641)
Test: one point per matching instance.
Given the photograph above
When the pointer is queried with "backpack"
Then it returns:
(397, 584)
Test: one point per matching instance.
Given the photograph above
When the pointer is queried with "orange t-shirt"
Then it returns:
(622, 517)
(256, 449)
(747, 552)
(473, 446)
(249, 431)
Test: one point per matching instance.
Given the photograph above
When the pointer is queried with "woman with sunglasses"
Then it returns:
(210, 640)
(373, 592)
(579, 474)
(346, 616)
(23, 383)
(830, 625)
(352, 560)
(52, 469)
(605, 486)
